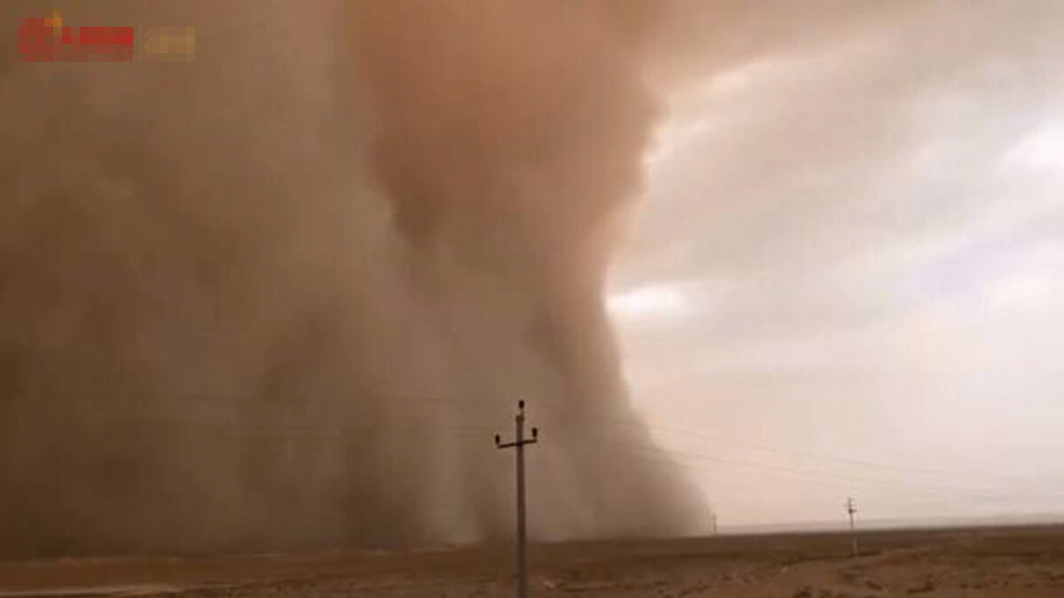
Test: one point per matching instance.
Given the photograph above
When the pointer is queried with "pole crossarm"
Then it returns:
(503, 445)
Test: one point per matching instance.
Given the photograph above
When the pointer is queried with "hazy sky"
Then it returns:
(848, 272)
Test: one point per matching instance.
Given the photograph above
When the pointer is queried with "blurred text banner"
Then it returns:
(166, 44)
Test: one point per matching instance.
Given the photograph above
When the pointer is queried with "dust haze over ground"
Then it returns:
(284, 295)
(969, 563)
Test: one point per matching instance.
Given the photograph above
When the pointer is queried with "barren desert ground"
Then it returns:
(979, 563)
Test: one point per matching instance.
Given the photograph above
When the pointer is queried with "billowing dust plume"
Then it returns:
(283, 296)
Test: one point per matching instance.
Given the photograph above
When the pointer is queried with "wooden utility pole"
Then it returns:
(519, 444)
(851, 509)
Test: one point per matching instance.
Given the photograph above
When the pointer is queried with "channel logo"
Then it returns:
(48, 39)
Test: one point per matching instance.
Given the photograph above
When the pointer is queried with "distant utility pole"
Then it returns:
(519, 443)
(851, 509)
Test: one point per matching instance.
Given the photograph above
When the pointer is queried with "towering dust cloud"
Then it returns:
(284, 295)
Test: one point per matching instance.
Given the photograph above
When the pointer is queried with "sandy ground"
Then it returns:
(1004, 562)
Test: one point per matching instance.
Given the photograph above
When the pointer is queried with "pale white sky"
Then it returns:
(848, 272)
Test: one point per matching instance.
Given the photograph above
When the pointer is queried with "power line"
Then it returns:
(602, 416)
(389, 419)
(810, 456)
(664, 455)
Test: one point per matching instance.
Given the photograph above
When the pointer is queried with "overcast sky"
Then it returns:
(847, 276)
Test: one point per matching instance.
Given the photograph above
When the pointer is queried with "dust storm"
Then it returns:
(282, 296)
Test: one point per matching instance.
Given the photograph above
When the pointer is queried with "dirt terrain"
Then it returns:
(979, 563)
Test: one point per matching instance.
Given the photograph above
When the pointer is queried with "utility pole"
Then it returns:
(851, 509)
(519, 444)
